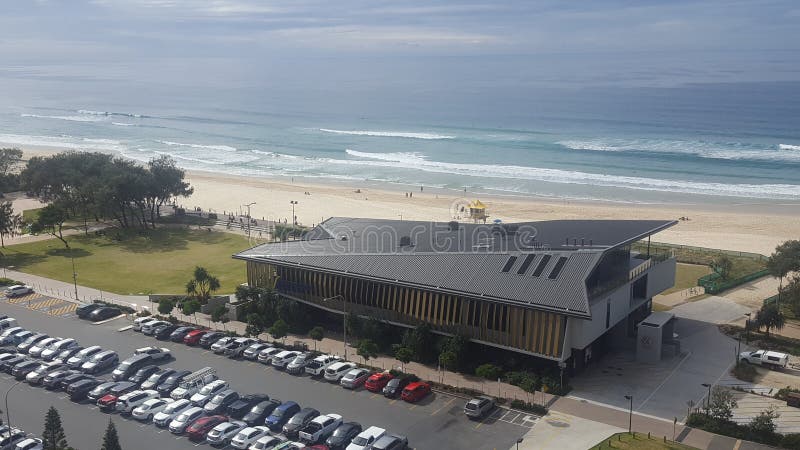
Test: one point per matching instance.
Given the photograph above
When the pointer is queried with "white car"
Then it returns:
(127, 403)
(149, 327)
(320, 428)
(55, 348)
(248, 436)
(283, 358)
(219, 346)
(265, 356)
(8, 332)
(337, 370)
(29, 444)
(37, 349)
(220, 435)
(299, 363)
(139, 322)
(206, 392)
(82, 356)
(266, 443)
(182, 420)
(366, 438)
(253, 350)
(40, 372)
(354, 378)
(318, 365)
(147, 410)
(237, 347)
(165, 416)
(18, 290)
(155, 353)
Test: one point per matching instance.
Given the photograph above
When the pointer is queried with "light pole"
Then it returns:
(630, 414)
(747, 328)
(74, 274)
(8, 412)
(248, 217)
(294, 218)
(519, 441)
(708, 398)
(344, 318)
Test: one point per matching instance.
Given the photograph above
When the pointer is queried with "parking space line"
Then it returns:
(443, 406)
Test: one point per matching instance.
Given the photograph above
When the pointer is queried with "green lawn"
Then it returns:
(686, 276)
(30, 215)
(639, 442)
(135, 262)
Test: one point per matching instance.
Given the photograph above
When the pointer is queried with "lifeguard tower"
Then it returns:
(477, 211)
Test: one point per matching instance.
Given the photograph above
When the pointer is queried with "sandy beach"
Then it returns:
(742, 227)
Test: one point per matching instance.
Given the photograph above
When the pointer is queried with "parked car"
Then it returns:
(180, 333)
(478, 407)
(260, 411)
(148, 329)
(53, 379)
(172, 382)
(221, 401)
(64, 355)
(265, 356)
(156, 354)
(283, 358)
(243, 404)
(366, 438)
(129, 367)
(23, 368)
(766, 358)
(281, 415)
(9, 438)
(163, 332)
(7, 323)
(139, 322)
(143, 374)
(164, 417)
(128, 402)
(354, 378)
(79, 390)
(209, 339)
(193, 382)
(7, 364)
(336, 371)
(179, 424)
(104, 313)
(18, 290)
(29, 444)
(248, 436)
(252, 351)
(266, 443)
(395, 386)
(37, 349)
(15, 336)
(100, 390)
(201, 397)
(343, 435)
(377, 381)
(237, 347)
(76, 361)
(150, 408)
(198, 430)
(156, 378)
(25, 345)
(415, 391)
(73, 377)
(36, 377)
(299, 421)
(193, 337)
(221, 435)
(9, 332)
(83, 311)
(390, 442)
(54, 349)
(218, 347)
(299, 363)
(100, 362)
(320, 428)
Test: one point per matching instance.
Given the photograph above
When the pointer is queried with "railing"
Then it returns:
(622, 280)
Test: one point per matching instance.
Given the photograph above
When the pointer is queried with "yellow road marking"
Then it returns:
(63, 310)
(443, 406)
(392, 402)
(738, 444)
(45, 303)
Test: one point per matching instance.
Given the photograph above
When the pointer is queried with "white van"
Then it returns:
(7, 323)
(337, 370)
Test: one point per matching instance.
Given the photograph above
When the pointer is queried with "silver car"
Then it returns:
(478, 407)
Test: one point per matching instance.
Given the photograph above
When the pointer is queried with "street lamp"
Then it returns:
(708, 398)
(8, 412)
(519, 441)
(747, 328)
(630, 414)
(74, 274)
(294, 218)
(248, 217)
(344, 318)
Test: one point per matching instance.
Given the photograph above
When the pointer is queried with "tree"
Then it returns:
(488, 371)
(53, 437)
(220, 314)
(764, 423)
(722, 265)
(111, 440)
(785, 260)
(791, 294)
(202, 284)
(404, 355)
(317, 334)
(255, 325)
(458, 346)
(9, 157)
(279, 329)
(422, 342)
(190, 308)
(770, 316)
(447, 359)
(165, 306)
(530, 384)
(367, 349)
(721, 403)
(51, 221)
(10, 223)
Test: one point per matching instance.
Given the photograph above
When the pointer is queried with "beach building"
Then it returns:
(561, 290)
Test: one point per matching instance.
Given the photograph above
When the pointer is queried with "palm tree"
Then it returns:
(202, 285)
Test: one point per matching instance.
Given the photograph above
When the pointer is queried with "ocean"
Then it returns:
(718, 143)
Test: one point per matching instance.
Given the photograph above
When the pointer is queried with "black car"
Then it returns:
(299, 421)
(67, 354)
(143, 374)
(171, 382)
(180, 333)
(79, 390)
(208, 339)
(23, 368)
(395, 386)
(121, 388)
(73, 378)
(163, 332)
(260, 411)
(245, 403)
(53, 379)
(100, 390)
(220, 402)
(342, 436)
(156, 378)
(103, 313)
(7, 365)
(84, 311)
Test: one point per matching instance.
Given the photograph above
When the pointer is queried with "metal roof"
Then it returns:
(465, 259)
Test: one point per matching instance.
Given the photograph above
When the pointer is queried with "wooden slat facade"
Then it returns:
(530, 330)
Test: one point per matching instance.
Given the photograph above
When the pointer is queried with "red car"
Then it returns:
(193, 338)
(377, 381)
(107, 402)
(416, 391)
(198, 430)
(319, 447)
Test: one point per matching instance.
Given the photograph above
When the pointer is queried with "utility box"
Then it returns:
(652, 333)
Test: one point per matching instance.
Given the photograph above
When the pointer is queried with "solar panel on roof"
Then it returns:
(509, 263)
(525, 264)
(542, 265)
(557, 268)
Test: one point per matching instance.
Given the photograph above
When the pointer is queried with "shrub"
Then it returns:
(791, 440)
(488, 371)
(531, 407)
(783, 392)
(9, 282)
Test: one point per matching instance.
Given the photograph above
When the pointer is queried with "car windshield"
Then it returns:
(471, 405)
(393, 383)
(314, 364)
(174, 407)
(342, 431)
(183, 417)
(278, 413)
(209, 388)
(360, 440)
(154, 377)
(297, 419)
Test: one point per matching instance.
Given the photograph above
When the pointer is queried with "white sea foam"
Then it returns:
(795, 148)
(419, 162)
(225, 148)
(123, 124)
(702, 149)
(428, 136)
(107, 113)
(274, 154)
(69, 118)
(64, 141)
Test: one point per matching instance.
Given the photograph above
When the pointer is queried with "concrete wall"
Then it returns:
(584, 332)
(661, 277)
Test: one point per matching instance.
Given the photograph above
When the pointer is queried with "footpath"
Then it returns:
(568, 415)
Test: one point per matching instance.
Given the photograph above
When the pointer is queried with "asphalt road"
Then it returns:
(437, 422)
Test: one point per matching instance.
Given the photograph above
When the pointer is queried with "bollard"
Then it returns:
(648, 435)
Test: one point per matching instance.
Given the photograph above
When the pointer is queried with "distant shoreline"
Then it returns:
(734, 225)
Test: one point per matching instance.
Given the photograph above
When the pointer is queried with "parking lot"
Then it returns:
(436, 422)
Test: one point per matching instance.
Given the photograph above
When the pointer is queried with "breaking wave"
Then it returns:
(789, 147)
(225, 148)
(428, 136)
(700, 149)
(108, 113)
(69, 118)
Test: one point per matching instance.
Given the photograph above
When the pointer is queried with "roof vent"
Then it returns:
(405, 241)
(343, 237)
